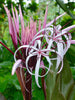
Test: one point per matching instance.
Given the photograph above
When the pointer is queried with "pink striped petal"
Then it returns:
(72, 41)
(64, 31)
(50, 23)
(69, 28)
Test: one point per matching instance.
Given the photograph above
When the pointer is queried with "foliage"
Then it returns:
(9, 85)
(59, 87)
(68, 21)
(33, 6)
(68, 7)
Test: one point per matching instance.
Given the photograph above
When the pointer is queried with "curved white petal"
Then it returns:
(42, 30)
(27, 60)
(64, 31)
(48, 50)
(35, 38)
(60, 52)
(50, 44)
(50, 23)
(24, 46)
(37, 71)
(48, 68)
(68, 44)
(60, 67)
(37, 43)
(16, 65)
(49, 61)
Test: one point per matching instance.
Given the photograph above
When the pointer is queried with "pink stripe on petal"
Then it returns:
(72, 41)
(68, 28)
(42, 65)
(64, 31)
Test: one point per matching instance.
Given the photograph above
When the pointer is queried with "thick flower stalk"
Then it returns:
(34, 46)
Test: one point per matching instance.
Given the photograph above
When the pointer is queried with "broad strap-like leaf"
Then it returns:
(65, 8)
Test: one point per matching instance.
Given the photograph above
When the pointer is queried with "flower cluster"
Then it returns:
(35, 46)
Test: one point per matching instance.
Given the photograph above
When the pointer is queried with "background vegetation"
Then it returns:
(9, 85)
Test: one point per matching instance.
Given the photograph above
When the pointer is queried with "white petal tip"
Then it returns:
(38, 85)
(15, 66)
(12, 72)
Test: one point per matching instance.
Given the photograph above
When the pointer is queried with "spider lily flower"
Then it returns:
(40, 53)
(54, 35)
(32, 44)
(49, 43)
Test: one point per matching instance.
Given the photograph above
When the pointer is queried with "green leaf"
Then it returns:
(72, 95)
(18, 96)
(73, 72)
(57, 95)
(50, 82)
(65, 8)
(5, 64)
(3, 84)
(71, 55)
(15, 82)
(59, 87)
(37, 93)
(66, 80)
